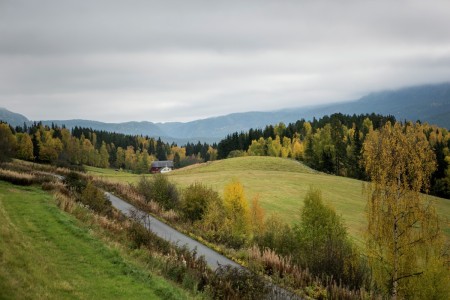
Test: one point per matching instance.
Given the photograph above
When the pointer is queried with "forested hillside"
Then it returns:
(84, 146)
(333, 144)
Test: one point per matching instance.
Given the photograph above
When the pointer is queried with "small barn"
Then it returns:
(157, 166)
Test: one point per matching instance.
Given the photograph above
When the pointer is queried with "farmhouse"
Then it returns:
(157, 166)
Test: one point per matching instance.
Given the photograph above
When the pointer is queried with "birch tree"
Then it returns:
(402, 223)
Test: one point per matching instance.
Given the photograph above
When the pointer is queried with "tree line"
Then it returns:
(333, 144)
(85, 146)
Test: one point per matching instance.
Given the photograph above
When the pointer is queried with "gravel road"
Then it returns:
(168, 233)
(212, 257)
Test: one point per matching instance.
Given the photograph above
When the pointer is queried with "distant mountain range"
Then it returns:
(427, 103)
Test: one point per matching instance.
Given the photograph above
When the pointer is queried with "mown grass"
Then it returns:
(48, 254)
(281, 185)
(112, 174)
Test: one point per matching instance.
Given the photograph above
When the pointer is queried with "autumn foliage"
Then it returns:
(403, 228)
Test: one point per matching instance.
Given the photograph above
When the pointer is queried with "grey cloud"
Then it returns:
(117, 60)
(82, 26)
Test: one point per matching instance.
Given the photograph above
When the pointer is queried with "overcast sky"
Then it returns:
(183, 60)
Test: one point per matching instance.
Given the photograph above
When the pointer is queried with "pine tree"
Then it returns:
(160, 150)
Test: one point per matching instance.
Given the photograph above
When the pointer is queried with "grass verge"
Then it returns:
(48, 254)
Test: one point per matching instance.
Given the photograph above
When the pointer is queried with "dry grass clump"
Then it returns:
(170, 215)
(55, 186)
(271, 261)
(63, 171)
(284, 272)
(65, 202)
(110, 224)
(126, 191)
(153, 207)
(34, 168)
(23, 170)
(25, 166)
(17, 177)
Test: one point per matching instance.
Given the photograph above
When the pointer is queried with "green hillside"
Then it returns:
(281, 185)
(47, 254)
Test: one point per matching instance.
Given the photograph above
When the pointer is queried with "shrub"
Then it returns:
(324, 246)
(237, 283)
(159, 189)
(138, 234)
(141, 236)
(277, 236)
(95, 199)
(195, 201)
(75, 182)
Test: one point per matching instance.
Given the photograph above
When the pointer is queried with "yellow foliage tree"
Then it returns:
(257, 147)
(103, 156)
(120, 157)
(24, 146)
(49, 147)
(297, 149)
(175, 149)
(7, 142)
(236, 208)
(130, 158)
(211, 152)
(286, 149)
(307, 129)
(274, 146)
(403, 227)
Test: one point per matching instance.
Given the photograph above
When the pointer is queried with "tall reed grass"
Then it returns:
(284, 272)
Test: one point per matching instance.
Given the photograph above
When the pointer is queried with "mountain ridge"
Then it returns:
(427, 103)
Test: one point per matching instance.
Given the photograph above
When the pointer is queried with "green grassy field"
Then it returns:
(48, 254)
(281, 185)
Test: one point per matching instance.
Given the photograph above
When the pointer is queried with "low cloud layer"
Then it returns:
(183, 60)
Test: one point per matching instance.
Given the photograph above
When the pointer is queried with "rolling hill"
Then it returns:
(427, 103)
(281, 185)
